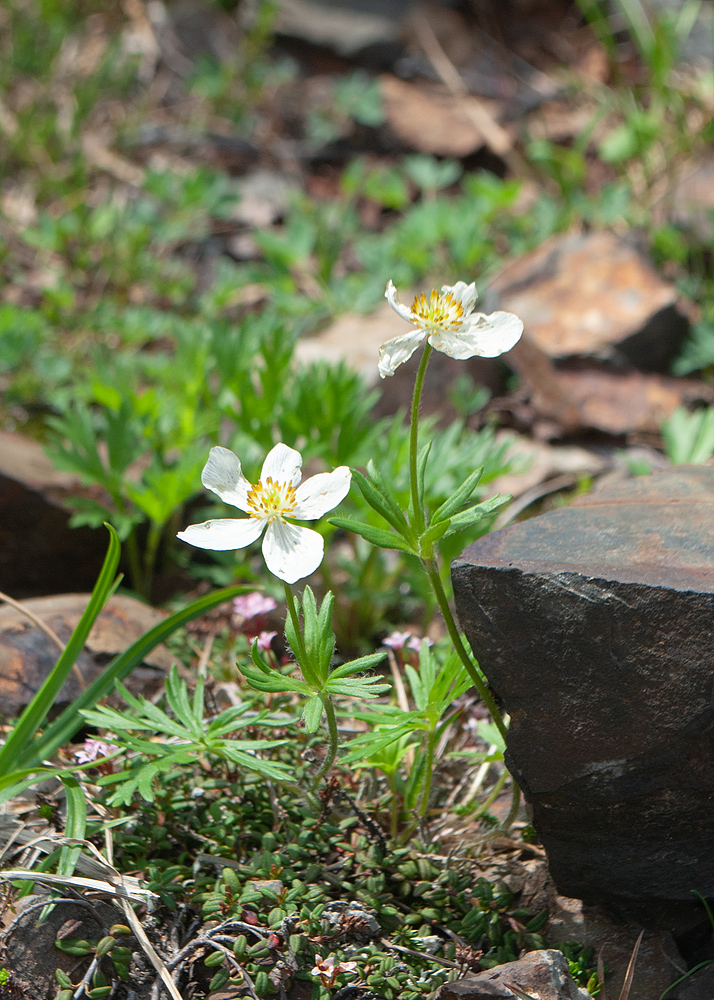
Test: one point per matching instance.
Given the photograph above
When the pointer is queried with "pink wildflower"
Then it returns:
(251, 605)
(397, 640)
(94, 749)
(265, 639)
(416, 643)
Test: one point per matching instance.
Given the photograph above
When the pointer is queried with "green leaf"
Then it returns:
(312, 713)
(377, 536)
(422, 459)
(357, 687)
(19, 749)
(473, 514)
(458, 499)
(274, 682)
(354, 666)
(75, 828)
(379, 497)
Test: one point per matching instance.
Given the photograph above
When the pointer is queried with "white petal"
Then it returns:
(223, 475)
(292, 552)
(283, 465)
(321, 493)
(395, 352)
(487, 337)
(223, 534)
(391, 297)
(463, 293)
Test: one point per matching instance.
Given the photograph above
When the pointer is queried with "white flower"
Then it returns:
(291, 552)
(450, 325)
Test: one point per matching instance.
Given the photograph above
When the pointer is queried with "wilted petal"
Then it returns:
(223, 534)
(283, 465)
(463, 293)
(391, 297)
(223, 475)
(487, 337)
(395, 352)
(292, 552)
(321, 493)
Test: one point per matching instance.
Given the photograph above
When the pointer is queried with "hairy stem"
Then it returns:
(418, 513)
(426, 790)
(332, 744)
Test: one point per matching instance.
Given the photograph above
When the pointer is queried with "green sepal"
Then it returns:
(377, 536)
(459, 498)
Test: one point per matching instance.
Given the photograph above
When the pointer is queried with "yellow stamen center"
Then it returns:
(270, 499)
(438, 311)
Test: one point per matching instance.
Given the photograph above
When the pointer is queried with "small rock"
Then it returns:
(542, 974)
(29, 948)
(593, 624)
(264, 198)
(27, 654)
(429, 118)
(593, 295)
(344, 28)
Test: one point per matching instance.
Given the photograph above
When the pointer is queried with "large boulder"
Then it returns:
(593, 624)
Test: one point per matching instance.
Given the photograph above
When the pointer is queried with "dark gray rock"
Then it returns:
(699, 986)
(543, 974)
(593, 623)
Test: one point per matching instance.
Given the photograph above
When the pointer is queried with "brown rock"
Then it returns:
(543, 974)
(429, 118)
(27, 654)
(588, 394)
(593, 295)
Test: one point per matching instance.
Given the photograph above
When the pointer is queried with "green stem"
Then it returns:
(432, 572)
(332, 744)
(515, 805)
(418, 513)
(493, 795)
(426, 791)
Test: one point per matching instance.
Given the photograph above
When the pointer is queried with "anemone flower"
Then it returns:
(448, 322)
(291, 552)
